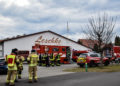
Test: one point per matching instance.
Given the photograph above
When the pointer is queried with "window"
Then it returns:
(1, 53)
(63, 49)
(83, 55)
(23, 52)
(1, 50)
(55, 49)
(94, 55)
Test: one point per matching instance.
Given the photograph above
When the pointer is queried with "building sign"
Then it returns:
(51, 40)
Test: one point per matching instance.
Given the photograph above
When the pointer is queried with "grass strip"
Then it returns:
(110, 68)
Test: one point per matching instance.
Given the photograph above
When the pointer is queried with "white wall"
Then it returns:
(26, 43)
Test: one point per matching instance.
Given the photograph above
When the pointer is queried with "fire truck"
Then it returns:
(23, 53)
(116, 52)
(64, 51)
(76, 54)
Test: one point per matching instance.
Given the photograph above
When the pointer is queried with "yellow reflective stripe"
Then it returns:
(34, 55)
(12, 81)
(28, 59)
(35, 77)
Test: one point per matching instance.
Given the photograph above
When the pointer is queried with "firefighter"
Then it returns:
(47, 60)
(33, 60)
(58, 60)
(52, 60)
(40, 60)
(20, 66)
(43, 60)
(12, 62)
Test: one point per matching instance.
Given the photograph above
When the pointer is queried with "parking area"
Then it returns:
(43, 71)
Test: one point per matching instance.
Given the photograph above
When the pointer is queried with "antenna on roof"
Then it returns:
(67, 27)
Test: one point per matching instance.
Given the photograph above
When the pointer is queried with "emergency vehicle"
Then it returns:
(76, 54)
(92, 59)
(23, 53)
(63, 51)
(116, 52)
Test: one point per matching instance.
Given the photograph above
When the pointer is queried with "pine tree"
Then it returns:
(117, 41)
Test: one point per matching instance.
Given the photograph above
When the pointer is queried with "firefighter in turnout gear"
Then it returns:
(12, 62)
(44, 59)
(33, 60)
(40, 60)
(52, 60)
(58, 60)
(47, 60)
(20, 66)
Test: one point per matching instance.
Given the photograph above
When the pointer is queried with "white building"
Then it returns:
(45, 38)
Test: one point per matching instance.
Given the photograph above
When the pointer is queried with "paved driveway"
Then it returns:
(44, 71)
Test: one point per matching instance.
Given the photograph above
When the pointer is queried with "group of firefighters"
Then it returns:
(15, 65)
(49, 60)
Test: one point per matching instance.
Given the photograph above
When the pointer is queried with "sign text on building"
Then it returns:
(45, 40)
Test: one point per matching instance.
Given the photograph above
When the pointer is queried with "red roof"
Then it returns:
(88, 43)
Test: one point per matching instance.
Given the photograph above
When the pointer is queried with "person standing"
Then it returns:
(43, 59)
(20, 66)
(58, 60)
(33, 60)
(47, 60)
(40, 59)
(52, 60)
(12, 62)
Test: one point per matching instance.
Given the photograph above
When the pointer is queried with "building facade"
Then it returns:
(43, 38)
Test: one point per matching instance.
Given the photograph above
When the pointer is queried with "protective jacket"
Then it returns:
(11, 61)
(33, 59)
(21, 60)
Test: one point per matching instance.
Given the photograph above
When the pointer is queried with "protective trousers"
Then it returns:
(20, 68)
(58, 63)
(43, 62)
(52, 62)
(11, 75)
(32, 73)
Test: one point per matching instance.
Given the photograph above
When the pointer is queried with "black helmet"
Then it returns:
(33, 51)
(14, 51)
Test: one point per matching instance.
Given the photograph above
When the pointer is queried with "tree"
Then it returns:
(79, 41)
(117, 41)
(95, 48)
(100, 28)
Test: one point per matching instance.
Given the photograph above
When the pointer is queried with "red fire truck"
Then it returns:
(64, 51)
(23, 53)
(116, 52)
(77, 53)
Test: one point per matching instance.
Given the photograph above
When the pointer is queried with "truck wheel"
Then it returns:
(91, 64)
(106, 63)
(81, 65)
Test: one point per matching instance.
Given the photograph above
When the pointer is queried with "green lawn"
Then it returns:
(110, 68)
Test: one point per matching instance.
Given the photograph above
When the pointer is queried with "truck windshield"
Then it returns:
(94, 55)
(83, 55)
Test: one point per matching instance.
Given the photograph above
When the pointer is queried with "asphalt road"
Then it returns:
(76, 79)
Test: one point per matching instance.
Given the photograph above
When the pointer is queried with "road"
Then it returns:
(76, 79)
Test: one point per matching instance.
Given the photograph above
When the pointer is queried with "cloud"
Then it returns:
(21, 3)
(28, 16)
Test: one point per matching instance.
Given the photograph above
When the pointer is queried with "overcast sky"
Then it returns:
(19, 17)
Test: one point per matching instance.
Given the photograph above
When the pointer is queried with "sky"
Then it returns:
(18, 17)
